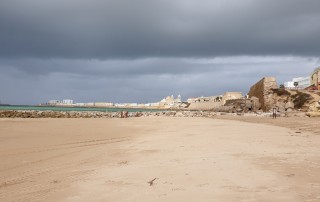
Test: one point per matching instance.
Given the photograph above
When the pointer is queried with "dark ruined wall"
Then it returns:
(263, 90)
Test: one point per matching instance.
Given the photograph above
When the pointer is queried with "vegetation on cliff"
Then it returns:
(281, 92)
(300, 99)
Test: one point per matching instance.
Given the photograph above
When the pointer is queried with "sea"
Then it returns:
(52, 108)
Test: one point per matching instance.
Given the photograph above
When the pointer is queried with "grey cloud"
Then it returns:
(143, 67)
(140, 80)
(107, 68)
(99, 29)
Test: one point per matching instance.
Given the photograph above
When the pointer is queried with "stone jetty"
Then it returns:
(125, 114)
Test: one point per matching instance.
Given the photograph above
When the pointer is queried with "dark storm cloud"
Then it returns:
(143, 50)
(148, 28)
(106, 68)
(147, 66)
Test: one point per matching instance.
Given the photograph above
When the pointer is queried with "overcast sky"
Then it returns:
(143, 50)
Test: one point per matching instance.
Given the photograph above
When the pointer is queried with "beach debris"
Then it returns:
(151, 181)
(290, 175)
(123, 163)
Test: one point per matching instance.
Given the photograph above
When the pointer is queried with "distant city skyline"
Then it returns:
(141, 51)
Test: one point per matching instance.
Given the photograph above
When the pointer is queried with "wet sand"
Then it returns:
(156, 159)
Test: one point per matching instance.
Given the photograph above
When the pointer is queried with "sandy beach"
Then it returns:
(158, 159)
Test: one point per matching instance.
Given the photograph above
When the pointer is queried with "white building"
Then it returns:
(303, 82)
(170, 101)
(205, 99)
(120, 104)
(90, 104)
(178, 100)
(192, 100)
(103, 104)
(67, 102)
(132, 104)
(155, 104)
(288, 85)
(54, 102)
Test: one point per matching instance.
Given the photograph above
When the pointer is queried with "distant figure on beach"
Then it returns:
(274, 113)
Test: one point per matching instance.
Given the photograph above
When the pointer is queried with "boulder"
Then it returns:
(289, 109)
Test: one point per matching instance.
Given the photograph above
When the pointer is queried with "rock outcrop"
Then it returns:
(313, 114)
(241, 106)
(263, 90)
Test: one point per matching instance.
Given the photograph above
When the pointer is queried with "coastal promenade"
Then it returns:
(156, 159)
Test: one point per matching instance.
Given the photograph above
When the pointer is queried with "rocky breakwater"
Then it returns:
(123, 114)
(94, 114)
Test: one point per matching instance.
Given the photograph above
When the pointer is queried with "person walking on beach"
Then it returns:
(274, 112)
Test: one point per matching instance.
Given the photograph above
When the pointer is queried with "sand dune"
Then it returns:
(156, 159)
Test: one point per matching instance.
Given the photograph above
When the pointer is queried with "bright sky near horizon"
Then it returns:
(143, 50)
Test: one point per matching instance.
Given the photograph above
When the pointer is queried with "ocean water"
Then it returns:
(48, 108)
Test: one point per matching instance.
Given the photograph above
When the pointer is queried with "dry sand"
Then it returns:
(305, 124)
(156, 159)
